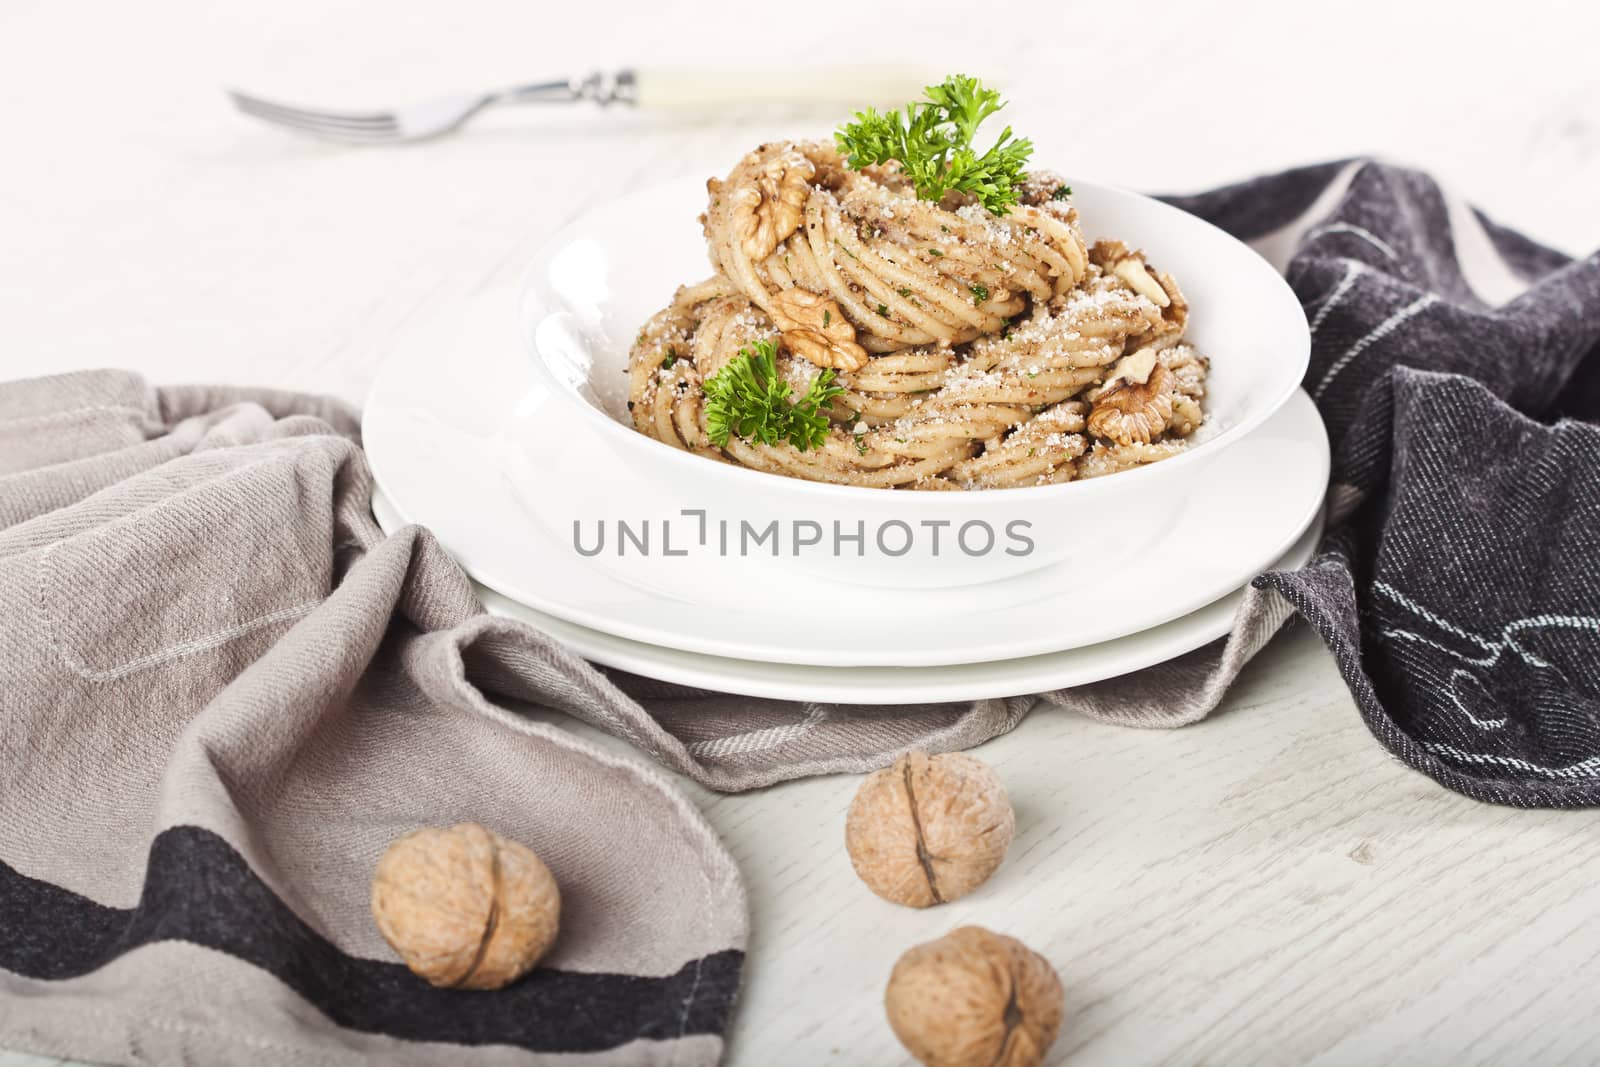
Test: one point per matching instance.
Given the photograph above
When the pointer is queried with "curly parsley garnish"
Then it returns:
(747, 398)
(932, 140)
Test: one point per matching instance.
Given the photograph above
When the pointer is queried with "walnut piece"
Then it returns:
(975, 998)
(464, 907)
(768, 199)
(929, 829)
(1133, 272)
(1134, 412)
(1134, 367)
(1129, 265)
(814, 329)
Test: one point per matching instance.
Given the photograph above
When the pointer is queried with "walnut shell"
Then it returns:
(464, 907)
(975, 998)
(929, 829)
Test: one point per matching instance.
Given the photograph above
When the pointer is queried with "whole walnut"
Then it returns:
(464, 907)
(974, 997)
(929, 829)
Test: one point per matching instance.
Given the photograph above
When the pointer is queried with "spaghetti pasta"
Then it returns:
(973, 350)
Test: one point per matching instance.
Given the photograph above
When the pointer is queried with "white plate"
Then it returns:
(434, 429)
(890, 685)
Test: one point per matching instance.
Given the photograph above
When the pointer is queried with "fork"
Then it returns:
(664, 88)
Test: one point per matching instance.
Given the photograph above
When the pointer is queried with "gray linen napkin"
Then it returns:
(223, 692)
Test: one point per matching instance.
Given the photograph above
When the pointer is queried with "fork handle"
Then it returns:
(825, 87)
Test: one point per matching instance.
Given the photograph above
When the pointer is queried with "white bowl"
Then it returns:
(594, 284)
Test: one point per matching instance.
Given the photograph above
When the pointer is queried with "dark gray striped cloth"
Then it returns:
(1457, 365)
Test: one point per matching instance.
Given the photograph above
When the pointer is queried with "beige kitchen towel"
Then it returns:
(223, 692)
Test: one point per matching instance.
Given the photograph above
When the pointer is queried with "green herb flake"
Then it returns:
(932, 141)
(883, 309)
(747, 398)
(1061, 193)
(980, 293)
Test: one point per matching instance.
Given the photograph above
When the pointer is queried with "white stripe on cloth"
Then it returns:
(1492, 650)
(1352, 268)
(1355, 231)
(1582, 770)
(1376, 334)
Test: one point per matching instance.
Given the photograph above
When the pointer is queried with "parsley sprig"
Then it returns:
(747, 398)
(932, 140)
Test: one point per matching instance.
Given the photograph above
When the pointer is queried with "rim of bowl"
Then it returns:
(739, 475)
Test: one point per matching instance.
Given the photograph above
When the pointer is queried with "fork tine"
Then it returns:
(357, 117)
(322, 121)
(309, 123)
(373, 135)
(305, 122)
(350, 120)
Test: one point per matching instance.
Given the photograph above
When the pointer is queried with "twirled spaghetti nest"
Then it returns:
(975, 351)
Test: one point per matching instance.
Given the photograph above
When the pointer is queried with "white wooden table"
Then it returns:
(1266, 887)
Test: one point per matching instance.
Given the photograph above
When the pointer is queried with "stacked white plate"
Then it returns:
(500, 425)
